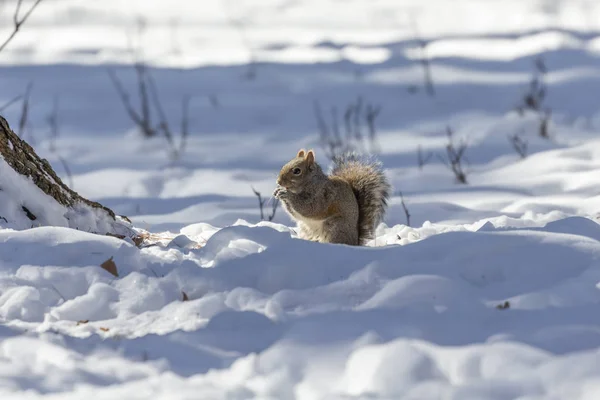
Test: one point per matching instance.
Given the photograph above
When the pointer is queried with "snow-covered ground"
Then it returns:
(491, 293)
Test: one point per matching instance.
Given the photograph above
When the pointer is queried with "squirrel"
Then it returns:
(343, 207)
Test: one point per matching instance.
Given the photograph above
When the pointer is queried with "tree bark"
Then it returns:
(21, 157)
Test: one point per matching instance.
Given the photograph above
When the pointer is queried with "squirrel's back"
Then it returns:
(370, 186)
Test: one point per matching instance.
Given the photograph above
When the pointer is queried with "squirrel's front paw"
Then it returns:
(280, 193)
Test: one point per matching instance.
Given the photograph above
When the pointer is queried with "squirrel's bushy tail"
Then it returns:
(371, 189)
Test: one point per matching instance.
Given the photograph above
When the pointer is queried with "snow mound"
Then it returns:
(23, 205)
(486, 311)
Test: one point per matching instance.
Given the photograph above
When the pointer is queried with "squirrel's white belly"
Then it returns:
(311, 229)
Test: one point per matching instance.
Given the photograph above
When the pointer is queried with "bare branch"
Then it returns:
(422, 160)
(533, 100)
(405, 208)
(544, 119)
(57, 292)
(261, 203)
(455, 157)
(185, 123)
(428, 74)
(25, 109)
(67, 170)
(537, 86)
(140, 70)
(163, 124)
(53, 122)
(424, 59)
(125, 98)
(332, 140)
(371, 114)
(18, 21)
(519, 145)
(16, 15)
(11, 102)
(150, 100)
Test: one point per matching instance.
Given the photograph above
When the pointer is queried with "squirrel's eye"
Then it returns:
(296, 171)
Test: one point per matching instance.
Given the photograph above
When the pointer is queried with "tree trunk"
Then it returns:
(80, 212)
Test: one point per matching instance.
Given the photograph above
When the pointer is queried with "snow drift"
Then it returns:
(31, 194)
(270, 316)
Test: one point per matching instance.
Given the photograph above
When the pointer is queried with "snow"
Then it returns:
(491, 293)
(270, 318)
(19, 193)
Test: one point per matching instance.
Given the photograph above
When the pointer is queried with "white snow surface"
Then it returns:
(492, 293)
(19, 196)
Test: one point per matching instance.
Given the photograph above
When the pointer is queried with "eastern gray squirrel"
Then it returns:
(342, 207)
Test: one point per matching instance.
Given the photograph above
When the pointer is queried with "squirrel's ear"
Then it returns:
(310, 157)
(301, 153)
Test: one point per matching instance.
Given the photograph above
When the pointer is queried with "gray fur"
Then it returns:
(343, 207)
(370, 186)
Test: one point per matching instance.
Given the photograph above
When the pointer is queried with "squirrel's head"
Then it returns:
(297, 173)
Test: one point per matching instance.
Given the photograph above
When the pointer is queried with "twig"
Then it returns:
(422, 160)
(406, 213)
(150, 101)
(537, 87)
(67, 170)
(454, 157)
(534, 99)
(52, 120)
(261, 203)
(371, 114)
(331, 138)
(127, 104)
(140, 70)
(25, 109)
(153, 271)
(424, 59)
(519, 145)
(54, 134)
(544, 119)
(18, 22)
(57, 292)
(10, 102)
(185, 108)
(163, 124)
